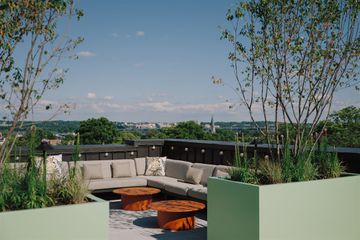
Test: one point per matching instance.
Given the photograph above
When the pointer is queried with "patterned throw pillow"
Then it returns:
(53, 166)
(155, 166)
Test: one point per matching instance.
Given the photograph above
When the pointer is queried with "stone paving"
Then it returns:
(142, 225)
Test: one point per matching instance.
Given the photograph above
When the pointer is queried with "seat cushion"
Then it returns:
(140, 164)
(208, 170)
(199, 193)
(176, 168)
(158, 181)
(98, 184)
(180, 188)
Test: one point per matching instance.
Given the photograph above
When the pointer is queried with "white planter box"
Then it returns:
(315, 210)
(85, 221)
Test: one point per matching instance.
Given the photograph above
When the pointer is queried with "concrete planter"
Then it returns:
(79, 221)
(315, 210)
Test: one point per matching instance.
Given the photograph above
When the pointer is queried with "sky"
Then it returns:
(151, 61)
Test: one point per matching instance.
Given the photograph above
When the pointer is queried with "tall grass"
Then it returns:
(24, 188)
(307, 166)
(241, 170)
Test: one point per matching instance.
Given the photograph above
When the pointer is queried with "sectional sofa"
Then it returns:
(110, 174)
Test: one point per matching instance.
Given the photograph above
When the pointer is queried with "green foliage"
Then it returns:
(97, 131)
(128, 135)
(69, 189)
(241, 170)
(329, 164)
(289, 60)
(185, 130)
(270, 172)
(343, 127)
(24, 187)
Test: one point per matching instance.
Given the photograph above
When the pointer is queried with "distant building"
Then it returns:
(212, 125)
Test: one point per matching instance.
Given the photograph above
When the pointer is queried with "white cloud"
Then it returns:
(128, 36)
(166, 106)
(91, 95)
(86, 54)
(108, 97)
(140, 33)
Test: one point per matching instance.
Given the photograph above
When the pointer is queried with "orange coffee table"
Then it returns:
(136, 198)
(177, 214)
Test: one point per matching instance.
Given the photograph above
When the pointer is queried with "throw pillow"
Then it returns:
(155, 166)
(121, 169)
(93, 171)
(193, 175)
(53, 166)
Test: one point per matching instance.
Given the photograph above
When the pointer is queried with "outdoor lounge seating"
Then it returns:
(102, 175)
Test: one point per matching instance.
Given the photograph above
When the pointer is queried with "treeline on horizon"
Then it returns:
(343, 130)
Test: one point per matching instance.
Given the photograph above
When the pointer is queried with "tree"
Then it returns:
(127, 135)
(289, 58)
(186, 130)
(343, 127)
(32, 25)
(97, 131)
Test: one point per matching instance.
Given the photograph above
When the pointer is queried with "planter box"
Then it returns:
(315, 210)
(79, 221)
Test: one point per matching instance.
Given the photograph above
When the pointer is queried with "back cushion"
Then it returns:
(220, 170)
(120, 169)
(207, 171)
(105, 165)
(140, 164)
(93, 171)
(176, 168)
(129, 165)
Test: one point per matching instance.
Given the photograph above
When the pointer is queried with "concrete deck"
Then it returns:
(142, 225)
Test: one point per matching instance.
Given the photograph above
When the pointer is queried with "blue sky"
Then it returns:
(150, 61)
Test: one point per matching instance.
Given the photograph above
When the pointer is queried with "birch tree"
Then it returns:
(31, 25)
(290, 58)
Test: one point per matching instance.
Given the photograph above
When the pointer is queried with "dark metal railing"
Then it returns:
(200, 151)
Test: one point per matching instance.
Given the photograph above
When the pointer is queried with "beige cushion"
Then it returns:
(158, 181)
(222, 174)
(221, 170)
(208, 170)
(98, 184)
(155, 166)
(180, 188)
(140, 164)
(105, 165)
(193, 175)
(93, 171)
(121, 169)
(199, 193)
(131, 163)
(176, 168)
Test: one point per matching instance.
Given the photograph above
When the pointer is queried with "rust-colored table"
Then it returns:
(136, 198)
(177, 214)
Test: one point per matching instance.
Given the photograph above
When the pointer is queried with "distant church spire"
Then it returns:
(212, 125)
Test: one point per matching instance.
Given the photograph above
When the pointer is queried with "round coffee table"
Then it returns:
(136, 198)
(177, 214)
